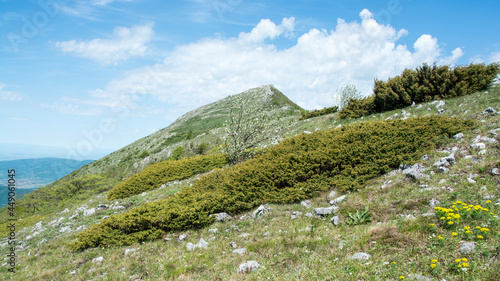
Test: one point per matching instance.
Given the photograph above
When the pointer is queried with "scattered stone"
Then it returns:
(385, 184)
(325, 211)
(81, 227)
(309, 215)
(488, 197)
(89, 212)
(182, 237)
(412, 104)
(213, 230)
(307, 132)
(338, 200)
(467, 247)
(105, 217)
(243, 235)
(262, 210)
(167, 239)
(361, 256)
(415, 172)
(418, 277)
(65, 229)
(248, 267)
(233, 245)
(266, 234)
(495, 171)
(41, 242)
(335, 220)
(73, 272)
(118, 208)
(458, 136)
(478, 145)
(440, 111)
(202, 244)
(489, 110)
(443, 170)
(430, 214)
(221, 216)
(306, 204)
(424, 157)
(332, 195)
(102, 207)
(482, 152)
(74, 216)
(434, 203)
(98, 259)
(240, 251)
(471, 181)
(64, 212)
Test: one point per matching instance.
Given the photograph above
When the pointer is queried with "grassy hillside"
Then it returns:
(405, 237)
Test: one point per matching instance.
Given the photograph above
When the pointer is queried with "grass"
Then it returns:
(309, 248)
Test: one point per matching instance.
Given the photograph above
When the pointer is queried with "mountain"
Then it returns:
(422, 222)
(14, 151)
(190, 130)
(4, 194)
(33, 173)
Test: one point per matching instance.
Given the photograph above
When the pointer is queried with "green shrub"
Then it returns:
(294, 170)
(357, 107)
(178, 153)
(157, 174)
(424, 84)
(319, 112)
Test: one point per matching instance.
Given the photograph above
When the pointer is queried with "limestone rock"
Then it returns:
(262, 210)
(248, 267)
(361, 256)
(221, 216)
(467, 247)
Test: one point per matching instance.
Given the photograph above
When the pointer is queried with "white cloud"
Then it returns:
(126, 43)
(9, 95)
(309, 72)
(495, 57)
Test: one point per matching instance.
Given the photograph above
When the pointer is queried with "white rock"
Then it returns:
(332, 195)
(128, 251)
(478, 145)
(325, 211)
(221, 216)
(262, 210)
(89, 212)
(240, 251)
(306, 204)
(202, 244)
(361, 256)
(98, 259)
(467, 247)
(248, 267)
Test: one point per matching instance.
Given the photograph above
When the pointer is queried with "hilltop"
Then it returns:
(385, 230)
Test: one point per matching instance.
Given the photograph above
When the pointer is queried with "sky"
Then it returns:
(80, 79)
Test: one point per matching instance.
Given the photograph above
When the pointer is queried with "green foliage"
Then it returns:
(359, 217)
(294, 170)
(157, 174)
(249, 127)
(320, 112)
(357, 107)
(178, 153)
(347, 93)
(202, 148)
(424, 84)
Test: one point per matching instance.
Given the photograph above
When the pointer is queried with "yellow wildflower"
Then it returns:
(464, 259)
(433, 265)
(454, 234)
(480, 237)
(434, 261)
(458, 260)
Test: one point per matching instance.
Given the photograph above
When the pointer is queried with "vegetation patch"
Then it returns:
(319, 112)
(294, 170)
(424, 84)
(157, 174)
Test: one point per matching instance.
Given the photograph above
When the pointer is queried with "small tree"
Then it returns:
(248, 127)
(346, 93)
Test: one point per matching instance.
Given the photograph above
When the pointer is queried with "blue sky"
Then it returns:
(90, 77)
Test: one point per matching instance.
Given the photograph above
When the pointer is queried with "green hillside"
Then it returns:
(387, 196)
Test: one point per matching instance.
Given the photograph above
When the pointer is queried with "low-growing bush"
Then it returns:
(157, 174)
(424, 84)
(319, 112)
(294, 170)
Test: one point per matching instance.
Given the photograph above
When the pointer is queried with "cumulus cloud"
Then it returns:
(310, 71)
(9, 95)
(126, 43)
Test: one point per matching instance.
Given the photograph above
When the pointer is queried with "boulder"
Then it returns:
(306, 204)
(338, 200)
(325, 211)
(467, 248)
(240, 251)
(202, 244)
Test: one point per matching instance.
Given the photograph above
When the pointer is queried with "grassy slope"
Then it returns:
(304, 248)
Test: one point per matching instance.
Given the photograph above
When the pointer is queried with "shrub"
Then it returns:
(320, 112)
(294, 170)
(421, 85)
(178, 153)
(157, 174)
(357, 107)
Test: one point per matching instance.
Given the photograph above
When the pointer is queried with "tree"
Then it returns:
(248, 127)
(346, 93)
